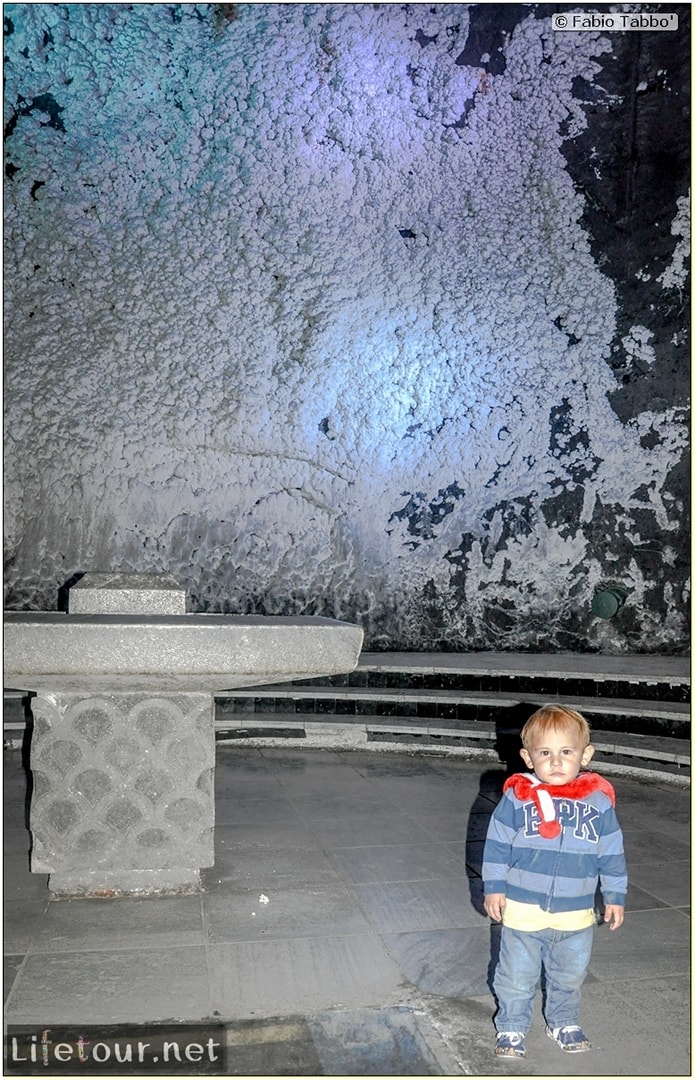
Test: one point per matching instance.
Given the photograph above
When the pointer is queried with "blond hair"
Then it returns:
(555, 718)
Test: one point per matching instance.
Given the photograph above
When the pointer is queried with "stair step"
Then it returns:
(292, 692)
(595, 666)
(587, 675)
(606, 741)
(551, 689)
(618, 749)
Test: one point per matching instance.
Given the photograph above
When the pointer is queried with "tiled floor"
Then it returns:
(345, 901)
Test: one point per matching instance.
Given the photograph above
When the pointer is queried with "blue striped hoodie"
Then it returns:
(561, 872)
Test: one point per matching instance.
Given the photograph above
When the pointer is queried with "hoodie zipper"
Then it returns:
(551, 893)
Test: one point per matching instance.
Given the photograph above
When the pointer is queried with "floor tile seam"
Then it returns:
(680, 860)
(111, 949)
(437, 837)
(243, 777)
(396, 881)
(15, 982)
(308, 808)
(346, 887)
(37, 934)
(663, 846)
(246, 823)
(366, 914)
(680, 837)
(408, 811)
(623, 985)
(275, 890)
(321, 791)
(248, 848)
(461, 863)
(293, 797)
(434, 899)
(207, 953)
(681, 911)
(244, 892)
(249, 802)
(650, 893)
(330, 853)
(661, 905)
(331, 936)
(281, 885)
(433, 772)
(618, 981)
(353, 888)
(651, 823)
(635, 863)
(313, 823)
(368, 934)
(321, 825)
(409, 844)
(430, 767)
(240, 850)
(636, 912)
(23, 900)
(434, 881)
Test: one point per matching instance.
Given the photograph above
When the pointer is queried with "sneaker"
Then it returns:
(570, 1038)
(510, 1044)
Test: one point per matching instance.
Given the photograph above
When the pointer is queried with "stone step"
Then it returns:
(553, 675)
(640, 718)
(661, 718)
(615, 751)
(551, 687)
(651, 667)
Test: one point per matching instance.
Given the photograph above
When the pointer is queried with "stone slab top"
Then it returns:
(127, 594)
(113, 579)
(51, 651)
(639, 667)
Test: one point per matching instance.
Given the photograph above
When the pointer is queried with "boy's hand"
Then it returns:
(495, 904)
(613, 915)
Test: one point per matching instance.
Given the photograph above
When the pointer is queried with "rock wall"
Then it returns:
(371, 311)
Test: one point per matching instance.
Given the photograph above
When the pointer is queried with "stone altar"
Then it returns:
(123, 746)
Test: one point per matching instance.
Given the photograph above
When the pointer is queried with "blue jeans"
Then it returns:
(564, 954)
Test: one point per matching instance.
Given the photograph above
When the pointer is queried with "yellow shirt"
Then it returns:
(531, 917)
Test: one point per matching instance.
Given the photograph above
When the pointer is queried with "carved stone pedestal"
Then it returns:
(123, 798)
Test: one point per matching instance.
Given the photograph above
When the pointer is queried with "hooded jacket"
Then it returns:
(551, 845)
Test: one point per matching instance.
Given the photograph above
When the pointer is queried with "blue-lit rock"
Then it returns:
(345, 310)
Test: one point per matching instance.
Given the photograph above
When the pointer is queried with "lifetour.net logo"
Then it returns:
(134, 1050)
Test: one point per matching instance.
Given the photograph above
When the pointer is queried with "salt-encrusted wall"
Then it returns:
(373, 311)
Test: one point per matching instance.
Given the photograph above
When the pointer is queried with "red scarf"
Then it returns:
(526, 787)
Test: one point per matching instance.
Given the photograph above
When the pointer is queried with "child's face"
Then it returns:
(557, 755)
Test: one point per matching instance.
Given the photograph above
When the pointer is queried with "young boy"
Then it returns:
(552, 838)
